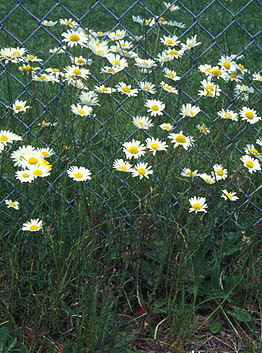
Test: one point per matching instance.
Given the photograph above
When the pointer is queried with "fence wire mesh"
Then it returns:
(23, 25)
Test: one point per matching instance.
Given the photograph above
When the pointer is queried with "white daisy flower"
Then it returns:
(122, 166)
(12, 204)
(34, 225)
(41, 170)
(259, 141)
(257, 76)
(8, 137)
(126, 89)
(145, 63)
(76, 72)
(68, 22)
(189, 110)
(168, 88)
(227, 63)
(74, 38)
(103, 89)
(117, 35)
(46, 152)
(79, 61)
(79, 173)
(251, 150)
(166, 126)
(219, 172)
(207, 178)
(44, 77)
(117, 62)
(203, 129)
(155, 107)
(49, 23)
(57, 50)
(142, 170)
(134, 149)
(189, 173)
(154, 145)
(89, 98)
(205, 69)
(170, 40)
(142, 122)
(228, 114)
(81, 110)
(250, 163)
(197, 204)
(190, 43)
(226, 195)
(249, 115)
(19, 107)
(217, 72)
(25, 176)
(181, 140)
(171, 74)
(147, 86)
(31, 158)
(209, 89)
(18, 155)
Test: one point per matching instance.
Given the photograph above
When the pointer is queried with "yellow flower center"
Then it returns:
(123, 168)
(80, 61)
(123, 44)
(192, 113)
(197, 206)
(38, 172)
(154, 146)
(111, 70)
(161, 19)
(141, 171)
(210, 87)
(74, 38)
(250, 164)
(208, 181)
(173, 52)
(241, 66)
(155, 107)
(229, 195)
(34, 227)
(116, 62)
(12, 203)
(18, 107)
(69, 22)
(167, 127)
(45, 154)
(216, 72)
(180, 139)
(77, 72)
(100, 51)
(170, 41)
(42, 77)
(133, 150)
(31, 57)
(228, 115)
(253, 150)
(170, 74)
(56, 70)
(203, 129)
(78, 175)
(81, 111)
(227, 65)
(140, 123)
(32, 160)
(168, 88)
(126, 89)
(249, 115)
(220, 172)
(25, 175)
(16, 53)
(233, 75)
(190, 173)
(104, 89)
(147, 88)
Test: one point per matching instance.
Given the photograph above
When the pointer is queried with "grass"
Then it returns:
(120, 265)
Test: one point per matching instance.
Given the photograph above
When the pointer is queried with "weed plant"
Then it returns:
(130, 174)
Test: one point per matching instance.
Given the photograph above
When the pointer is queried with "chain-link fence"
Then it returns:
(222, 27)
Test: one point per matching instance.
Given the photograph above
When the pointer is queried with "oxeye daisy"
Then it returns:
(174, 53)
(25, 176)
(12, 204)
(164, 57)
(18, 155)
(219, 172)
(166, 126)
(250, 163)
(147, 86)
(203, 129)
(117, 35)
(122, 166)
(181, 140)
(209, 89)
(34, 225)
(19, 107)
(170, 7)
(79, 173)
(189, 110)
(198, 204)
(46, 152)
(227, 63)
(126, 89)
(171, 74)
(144, 63)
(154, 145)
(103, 89)
(229, 195)
(68, 22)
(190, 43)
(40, 170)
(142, 122)
(134, 149)
(8, 137)
(89, 98)
(251, 150)
(259, 141)
(76, 72)
(49, 23)
(74, 38)
(81, 110)
(170, 40)
(228, 114)
(155, 107)
(31, 158)
(44, 77)
(189, 173)
(207, 178)
(205, 69)
(257, 77)
(217, 72)
(249, 115)
(142, 170)
(117, 62)
(168, 88)
(79, 60)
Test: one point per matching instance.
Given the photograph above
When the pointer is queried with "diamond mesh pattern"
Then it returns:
(20, 11)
